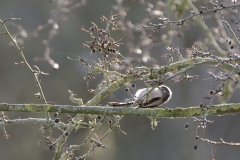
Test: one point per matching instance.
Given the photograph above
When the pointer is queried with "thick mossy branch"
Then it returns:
(102, 110)
(155, 74)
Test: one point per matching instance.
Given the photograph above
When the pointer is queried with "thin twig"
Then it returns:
(24, 60)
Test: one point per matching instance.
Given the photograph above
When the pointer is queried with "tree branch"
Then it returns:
(106, 110)
(155, 74)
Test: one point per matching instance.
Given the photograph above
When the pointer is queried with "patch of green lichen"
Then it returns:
(125, 111)
(224, 108)
(16, 109)
(38, 108)
(149, 112)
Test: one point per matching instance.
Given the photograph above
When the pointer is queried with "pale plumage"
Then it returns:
(156, 97)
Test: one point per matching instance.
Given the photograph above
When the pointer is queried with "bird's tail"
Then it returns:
(120, 103)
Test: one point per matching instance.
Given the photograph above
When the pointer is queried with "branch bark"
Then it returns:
(106, 110)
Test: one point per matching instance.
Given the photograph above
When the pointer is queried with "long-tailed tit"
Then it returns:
(158, 96)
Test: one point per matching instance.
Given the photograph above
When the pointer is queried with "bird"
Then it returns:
(158, 96)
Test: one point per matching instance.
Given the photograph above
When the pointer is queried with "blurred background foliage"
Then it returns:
(170, 140)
